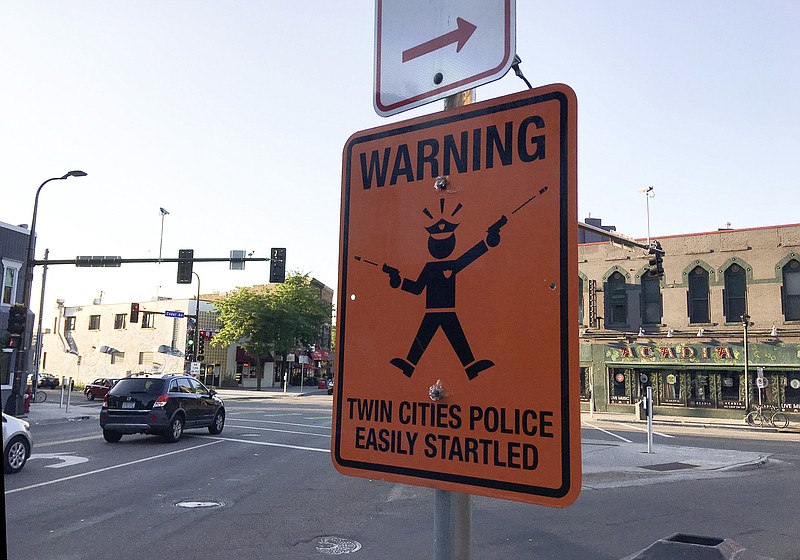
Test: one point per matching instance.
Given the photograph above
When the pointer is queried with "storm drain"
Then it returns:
(196, 504)
(670, 467)
(337, 545)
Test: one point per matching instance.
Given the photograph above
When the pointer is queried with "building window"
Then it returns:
(619, 382)
(617, 299)
(118, 358)
(148, 320)
(700, 393)
(145, 358)
(791, 290)
(580, 300)
(94, 322)
(651, 299)
(734, 295)
(69, 324)
(670, 385)
(10, 276)
(119, 320)
(698, 295)
(731, 395)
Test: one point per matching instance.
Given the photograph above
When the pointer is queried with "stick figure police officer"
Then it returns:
(438, 279)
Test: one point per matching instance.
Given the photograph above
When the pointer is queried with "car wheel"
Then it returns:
(16, 454)
(218, 423)
(111, 436)
(90, 396)
(175, 430)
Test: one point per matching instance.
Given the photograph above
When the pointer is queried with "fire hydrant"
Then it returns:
(28, 398)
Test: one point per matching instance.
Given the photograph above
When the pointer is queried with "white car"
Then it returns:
(17, 443)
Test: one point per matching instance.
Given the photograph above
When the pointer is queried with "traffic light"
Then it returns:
(201, 347)
(277, 265)
(656, 261)
(185, 263)
(134, 313)
(17, 319)
(190, 344)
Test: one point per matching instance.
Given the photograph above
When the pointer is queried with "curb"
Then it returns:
(46, 421)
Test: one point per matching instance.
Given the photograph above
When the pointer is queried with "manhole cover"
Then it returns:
(337, 545)
(195, 504)
(669, 467)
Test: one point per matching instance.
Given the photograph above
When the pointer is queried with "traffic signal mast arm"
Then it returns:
(105, 261)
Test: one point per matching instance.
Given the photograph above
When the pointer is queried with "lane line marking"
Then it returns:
(113, 467)
(74, 440)
(277, 430)
(643, 429)
(284, 423)
(606, 432)
(268, 444)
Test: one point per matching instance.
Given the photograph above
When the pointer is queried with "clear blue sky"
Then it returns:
(233, 115)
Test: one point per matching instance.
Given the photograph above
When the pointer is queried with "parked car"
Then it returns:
(99, 387)
(160, 404)
(47, 381)
(330, 386)
(17, 443)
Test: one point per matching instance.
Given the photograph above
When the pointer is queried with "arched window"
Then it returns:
(734, 295)
(651, 299)
(697, 298)
(580, 300)
(791, 290)
(617, 300)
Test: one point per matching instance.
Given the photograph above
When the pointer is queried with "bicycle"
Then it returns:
(758, 418)
(40, 396)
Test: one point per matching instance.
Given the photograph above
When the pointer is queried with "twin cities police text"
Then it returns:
(469, 150)
(513, 428)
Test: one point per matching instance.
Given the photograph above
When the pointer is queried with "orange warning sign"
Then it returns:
(457, 350)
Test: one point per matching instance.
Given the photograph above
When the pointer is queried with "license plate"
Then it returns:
(129, 404)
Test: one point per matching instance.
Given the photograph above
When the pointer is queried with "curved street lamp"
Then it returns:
(16, 404)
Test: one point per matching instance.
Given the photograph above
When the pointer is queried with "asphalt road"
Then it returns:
(265, 488)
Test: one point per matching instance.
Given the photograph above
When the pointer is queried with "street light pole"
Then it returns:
(15, 403)
(197, 318)
(746, 324)
(161, 239)
(648, 194)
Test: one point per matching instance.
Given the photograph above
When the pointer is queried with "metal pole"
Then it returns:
(649, 419)
(452, 525)
(197, 319)
(452, 511)
(69, 392)
(38, 353)
(161, 239)
(745, 324)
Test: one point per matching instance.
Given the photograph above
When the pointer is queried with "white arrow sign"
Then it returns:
(67, 459)
(429, 49)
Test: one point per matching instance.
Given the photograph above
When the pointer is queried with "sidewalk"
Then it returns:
(692, 421)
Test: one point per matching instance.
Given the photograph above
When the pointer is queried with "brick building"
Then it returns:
(684, 334)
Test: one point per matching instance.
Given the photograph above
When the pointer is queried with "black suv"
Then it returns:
(160, 404)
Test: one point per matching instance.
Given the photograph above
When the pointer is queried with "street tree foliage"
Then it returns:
(279, 318)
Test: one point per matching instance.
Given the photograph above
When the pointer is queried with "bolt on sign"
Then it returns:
(457, 351)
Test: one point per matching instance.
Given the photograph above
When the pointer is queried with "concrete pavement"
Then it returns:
(610, 459)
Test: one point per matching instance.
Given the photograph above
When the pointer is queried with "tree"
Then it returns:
(275, 318)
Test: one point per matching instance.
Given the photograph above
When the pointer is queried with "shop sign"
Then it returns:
(794, 384)
(620, 377)
(674, 353)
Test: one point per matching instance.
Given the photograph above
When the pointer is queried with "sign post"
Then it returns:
(457, 348)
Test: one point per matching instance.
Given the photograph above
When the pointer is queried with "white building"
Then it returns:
(100, 340)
